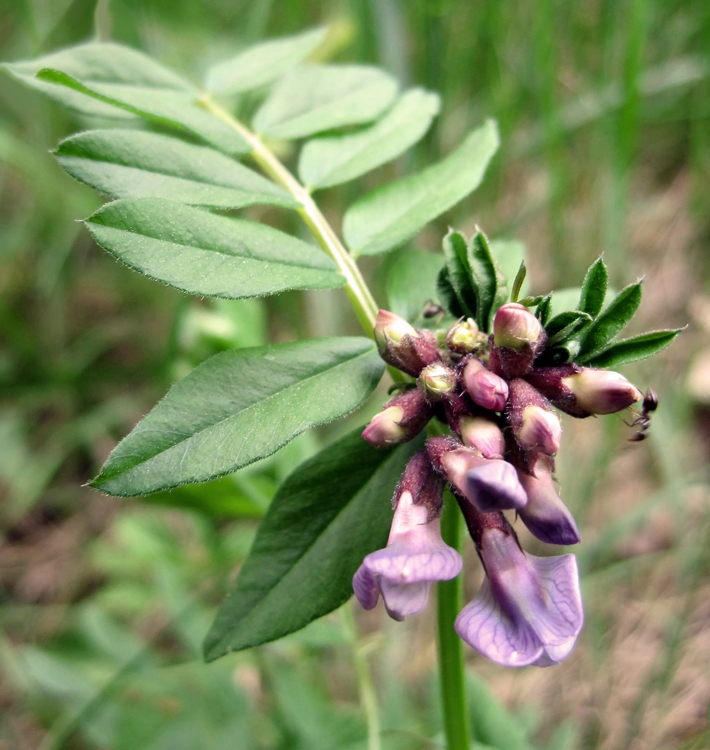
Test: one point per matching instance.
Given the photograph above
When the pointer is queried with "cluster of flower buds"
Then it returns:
(499, 456)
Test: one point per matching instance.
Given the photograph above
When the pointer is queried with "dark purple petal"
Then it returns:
(494, 485)
(545, 514)
(365, 587)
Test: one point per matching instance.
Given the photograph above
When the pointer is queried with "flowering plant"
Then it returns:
(483, 367)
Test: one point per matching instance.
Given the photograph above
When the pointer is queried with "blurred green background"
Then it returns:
(604, 109)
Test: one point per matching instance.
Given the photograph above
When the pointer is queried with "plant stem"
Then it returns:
(356, 288)
(448, 605)
(368, 698)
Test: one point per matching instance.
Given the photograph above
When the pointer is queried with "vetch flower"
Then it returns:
(463, 337)
(529, 609)
(545, 515)
(484, 387)
(518, 337)
(415, 556)
(437, 381)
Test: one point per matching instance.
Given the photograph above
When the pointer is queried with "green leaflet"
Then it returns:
(313, 98)
(331, 512)
(566, 325)
(487, 280)
(240, 406)
(202, 253)
(102, 63)
(391, 214)
(262, 63)
(632, 349)
(594, 289)
(459, 274)
(610, 322)
(335, 159)
(113, 76)
(138, 163)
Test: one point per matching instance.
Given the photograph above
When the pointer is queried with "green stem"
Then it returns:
(356, 288)
(448, 605)
(368, 697)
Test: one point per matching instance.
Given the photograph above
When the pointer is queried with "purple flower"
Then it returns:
(485, 388)
(529, 609)
(414, 558)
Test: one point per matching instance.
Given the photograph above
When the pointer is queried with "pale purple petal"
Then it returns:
(404, 599)
(404, 561)
(507, 641)
(494, 485)
(558, 616)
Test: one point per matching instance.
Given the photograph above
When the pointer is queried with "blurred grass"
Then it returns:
(604, 109)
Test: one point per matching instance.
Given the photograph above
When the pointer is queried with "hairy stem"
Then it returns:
(449, 595)
(356, 288)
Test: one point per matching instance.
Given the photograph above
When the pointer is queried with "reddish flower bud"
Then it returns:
(486, 389)
(602, 391)
(403, 346)
(518, 337)
(583, 391)
(484, 435)
(515, 327)
(401, 419)
(437, 381)
(534, 425)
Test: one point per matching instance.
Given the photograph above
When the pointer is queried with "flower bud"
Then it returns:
(384, 428)
(518, 337)
(390, 328)
(545, 515)
(437, 381)
(534, 425)
(515, 327)
(403, 346)
(602, 391)
(401, 419)
(463, 337)
(486, 389)
(583, 391)
(484, 435)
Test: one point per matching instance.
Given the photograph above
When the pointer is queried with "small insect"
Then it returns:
(432, 310)
(643, 420)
